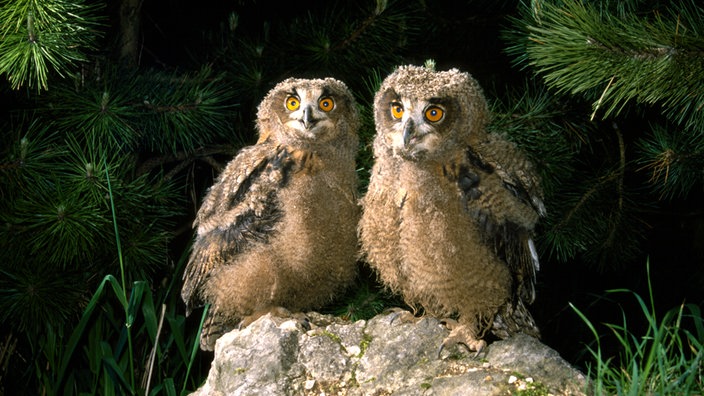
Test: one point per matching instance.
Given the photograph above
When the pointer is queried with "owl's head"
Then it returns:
(420, 112)
(308, 111)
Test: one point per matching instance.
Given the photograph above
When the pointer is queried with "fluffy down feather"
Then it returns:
(450, 211)
(278, 228)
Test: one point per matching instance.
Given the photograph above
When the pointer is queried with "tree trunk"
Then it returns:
(130, 14)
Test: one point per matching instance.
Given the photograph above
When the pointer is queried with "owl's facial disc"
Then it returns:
(308, 111)
(415, 126)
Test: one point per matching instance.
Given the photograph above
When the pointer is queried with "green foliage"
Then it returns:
(34, 298)
(592, 208)
(623, 56)
(60, 216)
(666, 360)
(114, 337)
(535, 120)
(123, 111)
(362, 302)
(38, 38)
(105, 363)
(345, 42)
(673, 159)
(630, 60)
(100, 159)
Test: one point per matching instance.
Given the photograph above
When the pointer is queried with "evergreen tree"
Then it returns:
(628, 76)
(621, 54)
(95, 154)
(640, 65)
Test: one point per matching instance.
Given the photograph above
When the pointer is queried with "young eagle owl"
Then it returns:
(450, 210)
(278, 228)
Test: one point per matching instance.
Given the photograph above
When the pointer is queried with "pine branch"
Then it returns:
(540, 124)
(593, 212)
(582, 49)
(186, 157)
(154, 111)
(41, 37)
(343, 41)
(596, 218)
(33, 297)
(357, 32)
(185, 111)
(673, 159)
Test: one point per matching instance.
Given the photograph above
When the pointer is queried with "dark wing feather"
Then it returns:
(239, 210)
(510, 234)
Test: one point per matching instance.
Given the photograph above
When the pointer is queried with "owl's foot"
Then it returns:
(279, 312)
(461, 334)
(400, 314)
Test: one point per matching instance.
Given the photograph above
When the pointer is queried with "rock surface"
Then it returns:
(382, 356)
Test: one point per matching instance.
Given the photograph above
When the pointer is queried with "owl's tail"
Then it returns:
(214, 327)
(513, 319)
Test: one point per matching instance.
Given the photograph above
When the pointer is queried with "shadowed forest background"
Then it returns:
(107, 154)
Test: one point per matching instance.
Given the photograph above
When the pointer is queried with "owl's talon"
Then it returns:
(248, 320)
(302, 319)
(279, 312)
(461, 335)
(401, 314)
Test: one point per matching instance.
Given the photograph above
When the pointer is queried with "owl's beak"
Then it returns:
(408, 130)
(307, 119)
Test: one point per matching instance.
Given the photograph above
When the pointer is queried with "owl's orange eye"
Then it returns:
(396, 110)
(326, 104)
(434, 113)
(292, 103)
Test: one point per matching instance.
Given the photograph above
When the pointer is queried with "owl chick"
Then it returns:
(450, 209)
(278, 228)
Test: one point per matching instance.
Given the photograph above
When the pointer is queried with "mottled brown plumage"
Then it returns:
(278, 228)
(450, 210)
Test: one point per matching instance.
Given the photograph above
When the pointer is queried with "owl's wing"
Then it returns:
(240, 209)
(505, 211)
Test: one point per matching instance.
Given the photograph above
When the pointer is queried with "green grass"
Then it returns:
(122, 345)
(666, 360)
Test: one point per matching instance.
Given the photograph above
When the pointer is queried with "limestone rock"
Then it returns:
(387, 355)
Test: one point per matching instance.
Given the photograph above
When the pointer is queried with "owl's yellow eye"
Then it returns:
(434, 113)
(326, 104)
(396, 110)
(292, 103)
